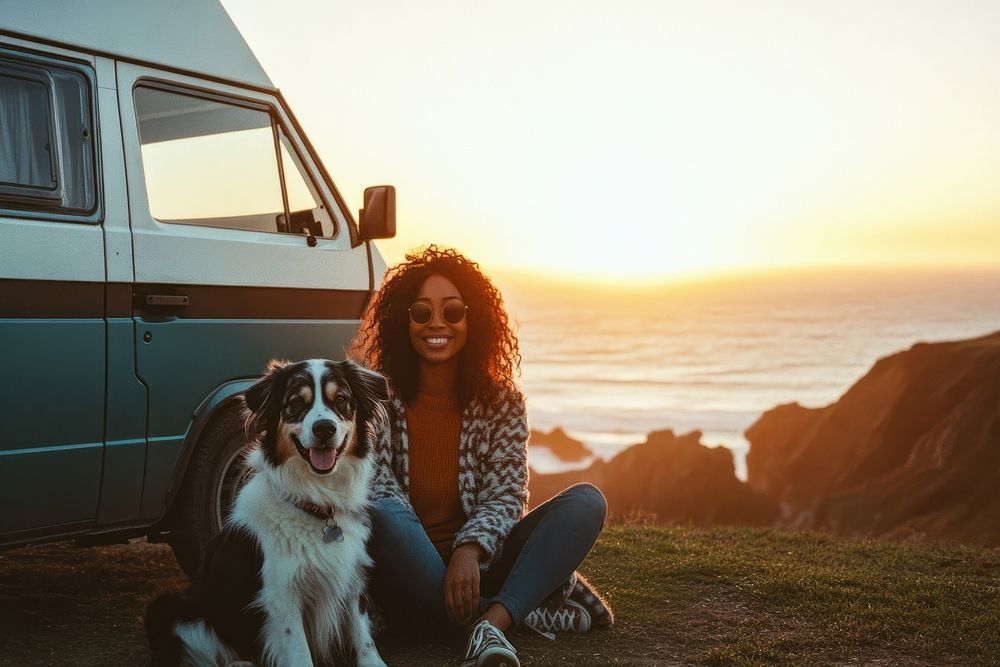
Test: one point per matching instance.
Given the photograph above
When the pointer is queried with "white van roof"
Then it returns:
(193, 35)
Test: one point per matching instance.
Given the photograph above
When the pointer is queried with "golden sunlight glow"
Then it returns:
(651, 139)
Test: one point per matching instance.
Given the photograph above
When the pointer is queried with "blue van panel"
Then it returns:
(126, 394)
(49, 486)
(51, 437)
(185, 360)
(125, 431)
(162, 455)
(121, 489)
(54, 382)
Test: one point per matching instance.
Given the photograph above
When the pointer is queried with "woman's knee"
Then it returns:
(390, 517)
(385, 506)
(591, 501)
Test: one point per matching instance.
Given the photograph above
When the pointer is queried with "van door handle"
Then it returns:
(169, 300)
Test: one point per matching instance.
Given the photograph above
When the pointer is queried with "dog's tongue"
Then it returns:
(322, 458)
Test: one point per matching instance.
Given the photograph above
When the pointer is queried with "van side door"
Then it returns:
(52, 294)
(242, 252)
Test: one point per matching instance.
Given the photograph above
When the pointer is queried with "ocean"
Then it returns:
(611, 364)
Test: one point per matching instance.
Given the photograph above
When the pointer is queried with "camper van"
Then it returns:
(166, 228)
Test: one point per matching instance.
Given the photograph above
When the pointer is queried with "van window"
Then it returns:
(214, 163)
(46, 142)
(304, 202)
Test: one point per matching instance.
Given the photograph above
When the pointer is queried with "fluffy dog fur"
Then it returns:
(270, 589)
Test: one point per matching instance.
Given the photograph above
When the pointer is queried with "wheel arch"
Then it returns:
(225, 397)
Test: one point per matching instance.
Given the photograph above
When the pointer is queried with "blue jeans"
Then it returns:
(539, 555)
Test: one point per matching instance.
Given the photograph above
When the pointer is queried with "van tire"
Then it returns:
(213, 476)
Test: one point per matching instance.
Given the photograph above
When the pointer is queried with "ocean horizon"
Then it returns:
(612, 364)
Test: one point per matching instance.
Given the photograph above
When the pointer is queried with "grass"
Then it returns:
(751, 596)
(720, 596)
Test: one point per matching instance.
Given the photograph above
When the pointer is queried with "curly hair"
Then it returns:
(486, 364)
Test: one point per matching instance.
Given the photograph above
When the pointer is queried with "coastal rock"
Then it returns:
(675, 478)
(780, 432)
(912, 448)
(562, 446)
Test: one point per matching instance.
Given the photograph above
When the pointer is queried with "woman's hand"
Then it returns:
(461, 583)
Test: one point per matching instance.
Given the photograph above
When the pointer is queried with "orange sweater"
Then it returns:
(434, 427)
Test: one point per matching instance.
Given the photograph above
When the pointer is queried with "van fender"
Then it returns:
(224, 397)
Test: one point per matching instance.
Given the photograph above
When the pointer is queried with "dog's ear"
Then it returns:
(371, 392)
(365, 381)
(261, 397)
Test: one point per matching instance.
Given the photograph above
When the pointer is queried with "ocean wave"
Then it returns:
(642, 422)
(610, 372)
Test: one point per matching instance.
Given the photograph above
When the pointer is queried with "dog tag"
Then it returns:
(332, 533)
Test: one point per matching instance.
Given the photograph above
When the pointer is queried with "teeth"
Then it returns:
(437, 341)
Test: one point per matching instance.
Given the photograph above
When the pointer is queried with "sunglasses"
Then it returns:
(453, 312)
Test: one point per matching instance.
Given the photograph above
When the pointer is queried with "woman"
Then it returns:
(449, 541)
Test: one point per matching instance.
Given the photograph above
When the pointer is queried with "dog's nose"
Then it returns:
(324, 429)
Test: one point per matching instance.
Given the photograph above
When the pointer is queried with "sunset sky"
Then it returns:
(648, 140)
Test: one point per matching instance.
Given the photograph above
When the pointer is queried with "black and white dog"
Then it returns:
(281, 585)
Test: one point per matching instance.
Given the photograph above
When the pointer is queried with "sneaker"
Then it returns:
(570, 616)
(488, 647)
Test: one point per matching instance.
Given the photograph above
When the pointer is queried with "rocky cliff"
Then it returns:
(675, 478)
(560, 444)
(912, 448)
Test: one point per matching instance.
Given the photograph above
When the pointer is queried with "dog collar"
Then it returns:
(331, 531)
(318, 511)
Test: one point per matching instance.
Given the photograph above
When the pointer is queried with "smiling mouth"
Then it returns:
(321, 459)
(437, 341)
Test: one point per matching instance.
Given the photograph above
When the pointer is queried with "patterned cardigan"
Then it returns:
(492, 483)
(492, 468)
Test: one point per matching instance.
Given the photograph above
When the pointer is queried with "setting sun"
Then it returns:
(655, 139)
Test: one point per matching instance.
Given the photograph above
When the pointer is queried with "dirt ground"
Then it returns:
(66, 605)
(61, 604)
(682, 596)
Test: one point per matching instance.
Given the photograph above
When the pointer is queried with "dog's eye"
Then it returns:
(296, 403)
(340, 400)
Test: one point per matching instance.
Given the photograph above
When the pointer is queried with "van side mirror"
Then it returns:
(378, 217)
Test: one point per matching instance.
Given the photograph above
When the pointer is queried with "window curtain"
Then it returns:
(76, 140)
(25, 157)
